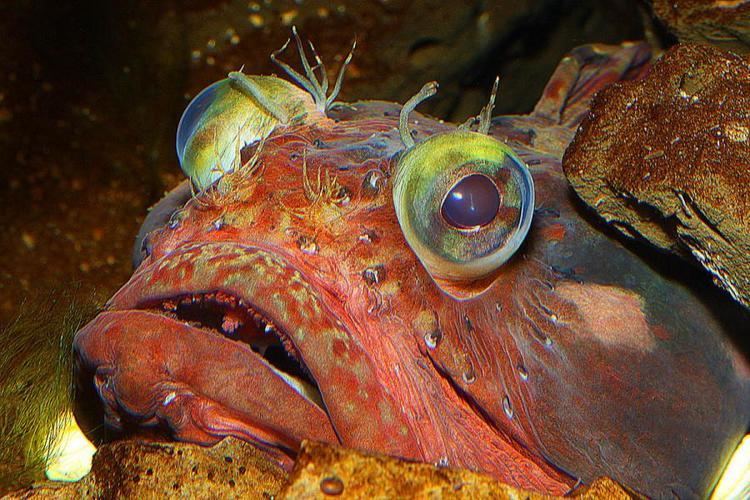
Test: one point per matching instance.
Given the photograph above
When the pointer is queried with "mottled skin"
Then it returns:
(581, 359)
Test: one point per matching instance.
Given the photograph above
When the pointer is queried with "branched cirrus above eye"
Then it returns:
(463, 199)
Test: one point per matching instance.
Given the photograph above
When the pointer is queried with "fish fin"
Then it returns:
(583, 72)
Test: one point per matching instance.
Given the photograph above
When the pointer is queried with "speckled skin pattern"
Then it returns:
(581, 359)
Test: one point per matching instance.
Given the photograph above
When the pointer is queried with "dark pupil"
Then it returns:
(473, 201)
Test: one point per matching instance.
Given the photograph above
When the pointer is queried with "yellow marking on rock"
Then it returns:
(736, 132)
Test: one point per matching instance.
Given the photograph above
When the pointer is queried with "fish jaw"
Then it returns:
(205, 385)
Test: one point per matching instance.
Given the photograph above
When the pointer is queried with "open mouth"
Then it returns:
(234, 318)
(217, 339)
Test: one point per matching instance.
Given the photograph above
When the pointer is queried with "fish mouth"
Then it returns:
(236, 319)
(201, 342)
(221, 339)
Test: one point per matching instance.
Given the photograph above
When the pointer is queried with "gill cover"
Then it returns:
(463, 199)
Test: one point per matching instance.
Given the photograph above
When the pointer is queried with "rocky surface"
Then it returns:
(131, 469)
(234, 469)
(323, 470)
(725, 23)
(403, 43)
(667, 159)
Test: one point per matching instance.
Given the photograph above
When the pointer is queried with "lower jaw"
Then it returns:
(152, 370)
(366, 414)
(218, 313)
(171, 387)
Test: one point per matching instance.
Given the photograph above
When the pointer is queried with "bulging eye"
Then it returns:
(228, 115)
(243, 109)
(215, 126)
(464, 202)
(193, 114)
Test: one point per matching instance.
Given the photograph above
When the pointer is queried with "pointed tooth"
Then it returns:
(269, 328)
(230, 324)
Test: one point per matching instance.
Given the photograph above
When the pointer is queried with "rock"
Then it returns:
(667, 158)
(235, 469)
(718, 22)
(133, 469)
(335, 471)
(398, 47)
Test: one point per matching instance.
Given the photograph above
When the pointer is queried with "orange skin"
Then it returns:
(579, 361)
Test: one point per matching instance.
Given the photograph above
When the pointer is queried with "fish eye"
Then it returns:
(229, 115)
(193, 114)
(244, 109)
(464, 201)
(471, 203)
(214, 126)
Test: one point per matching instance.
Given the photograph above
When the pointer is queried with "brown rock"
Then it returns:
(235, 469)
(668, 158)
(324, 471)
(725, 23)
(130, 469)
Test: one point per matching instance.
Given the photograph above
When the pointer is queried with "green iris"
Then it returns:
(464, 202)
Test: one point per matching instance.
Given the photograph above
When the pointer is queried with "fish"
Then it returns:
(365, 275)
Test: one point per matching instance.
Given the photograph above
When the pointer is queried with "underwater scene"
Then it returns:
(375, 249)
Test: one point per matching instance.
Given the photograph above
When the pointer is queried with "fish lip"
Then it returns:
(165, 278)
(361, 411)
(147, 301)
(244, 311)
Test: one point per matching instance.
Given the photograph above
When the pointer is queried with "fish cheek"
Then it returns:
(611, 316)
(570, 381)
(611, 398)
